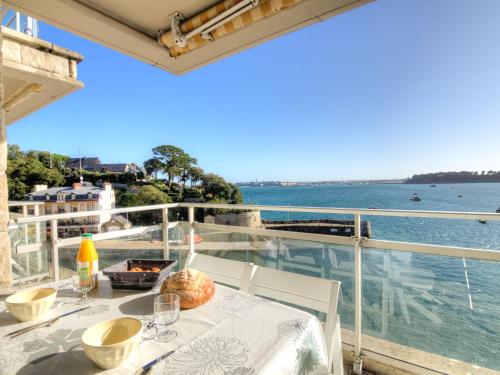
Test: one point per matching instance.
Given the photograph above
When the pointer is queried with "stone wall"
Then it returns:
(244, 219)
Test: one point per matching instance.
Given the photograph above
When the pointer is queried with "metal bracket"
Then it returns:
(207, 36)
(181, 39)
(175, 26)
(357, 364)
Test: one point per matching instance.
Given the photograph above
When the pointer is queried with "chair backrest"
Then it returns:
(307, 291)
(224, 271)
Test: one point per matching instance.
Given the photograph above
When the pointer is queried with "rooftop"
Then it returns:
(70, 193)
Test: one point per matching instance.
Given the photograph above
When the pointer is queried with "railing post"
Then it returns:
(26, 231)
(358, 290)
(55, 249)
(38, 239)
(191, 229)
(166, 249)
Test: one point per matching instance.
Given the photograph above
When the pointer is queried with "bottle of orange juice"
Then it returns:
(87, 261)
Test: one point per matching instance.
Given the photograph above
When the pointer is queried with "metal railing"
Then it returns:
(358, 242)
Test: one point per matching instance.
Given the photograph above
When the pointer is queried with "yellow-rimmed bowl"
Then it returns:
(108, 344)
(31, 304)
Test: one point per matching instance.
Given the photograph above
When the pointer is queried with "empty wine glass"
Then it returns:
(83, 287)
(166, 312)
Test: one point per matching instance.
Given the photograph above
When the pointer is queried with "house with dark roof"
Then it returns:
(93, 164)
(88, 164)
(120, 168)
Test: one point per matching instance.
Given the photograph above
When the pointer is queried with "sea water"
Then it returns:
(416, 300)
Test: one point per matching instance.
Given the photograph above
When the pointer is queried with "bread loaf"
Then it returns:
(193, 287)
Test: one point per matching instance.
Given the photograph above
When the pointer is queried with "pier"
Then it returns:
(322, 226)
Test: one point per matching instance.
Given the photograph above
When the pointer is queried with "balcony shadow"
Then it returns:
(61, 363)
(6, 319)
(138, 306)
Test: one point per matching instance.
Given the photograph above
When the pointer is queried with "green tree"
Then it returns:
(24, 170)
(50, 160)
(174, 161)
(153, 166)
(195, 174)
(216, 188)
(145, 195)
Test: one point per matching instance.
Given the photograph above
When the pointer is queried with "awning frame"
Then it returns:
(181, 39)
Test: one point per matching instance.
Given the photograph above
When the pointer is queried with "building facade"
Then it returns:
(78, 197)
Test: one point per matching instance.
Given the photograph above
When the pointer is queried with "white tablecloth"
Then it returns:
(233, 334)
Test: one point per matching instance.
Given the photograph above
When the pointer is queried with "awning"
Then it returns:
(132, 26)
(263, 9)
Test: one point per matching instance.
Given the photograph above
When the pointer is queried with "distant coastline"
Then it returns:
(454, 177)
(319, 183)
(426, 178)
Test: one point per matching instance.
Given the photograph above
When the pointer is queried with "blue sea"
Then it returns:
(445, 197)
(416, 300)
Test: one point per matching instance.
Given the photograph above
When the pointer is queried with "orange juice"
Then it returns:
(87, 262)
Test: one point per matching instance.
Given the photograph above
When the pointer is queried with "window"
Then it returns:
(74, 209)
(30, 197)
(73, 196)
(47, 197)
(31, 211)
(48, 210)
(90, 195)
(61, 210)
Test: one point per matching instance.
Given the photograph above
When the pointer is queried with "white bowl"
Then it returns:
(31, 304)
(108, 344)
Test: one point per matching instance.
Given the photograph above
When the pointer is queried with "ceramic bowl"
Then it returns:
(108, 344)
(31, 304)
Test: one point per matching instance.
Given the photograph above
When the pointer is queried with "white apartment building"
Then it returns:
(78, 197)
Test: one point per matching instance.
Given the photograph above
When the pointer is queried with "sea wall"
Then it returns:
(244, 219)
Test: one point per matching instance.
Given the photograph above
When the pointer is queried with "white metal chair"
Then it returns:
(224, 271)
(307, 291)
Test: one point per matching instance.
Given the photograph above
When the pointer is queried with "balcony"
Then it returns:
(36, 72)
(411, 307)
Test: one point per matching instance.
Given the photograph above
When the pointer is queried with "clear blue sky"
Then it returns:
(394, 88)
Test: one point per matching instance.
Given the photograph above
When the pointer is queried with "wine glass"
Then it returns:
(83, 287)
(166, 312)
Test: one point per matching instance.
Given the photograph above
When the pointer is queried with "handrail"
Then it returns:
(323, 210)
(353, 211)
(25, 203)
(71, 215)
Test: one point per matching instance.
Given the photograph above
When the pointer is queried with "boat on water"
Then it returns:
(460, 196)
(482, 221)
(433, 185)
(372, 207)
(415, 198)
(498, 210)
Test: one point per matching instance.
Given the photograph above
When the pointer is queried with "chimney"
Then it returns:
(39, 188)
(76, 185)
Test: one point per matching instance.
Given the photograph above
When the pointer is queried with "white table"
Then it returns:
(233, 334)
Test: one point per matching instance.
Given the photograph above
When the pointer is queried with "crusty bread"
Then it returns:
(193, 287)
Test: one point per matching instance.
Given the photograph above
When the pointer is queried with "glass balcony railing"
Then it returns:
(20, 22)
(416, 303)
